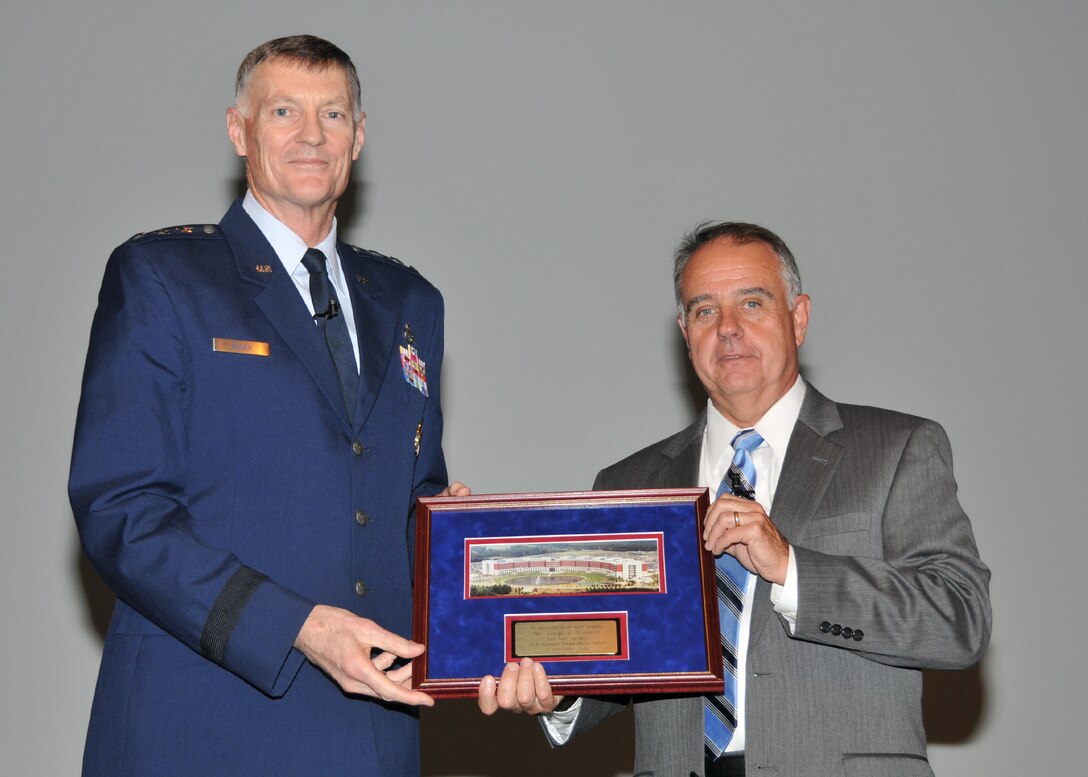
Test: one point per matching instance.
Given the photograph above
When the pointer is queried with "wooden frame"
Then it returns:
(611, 590)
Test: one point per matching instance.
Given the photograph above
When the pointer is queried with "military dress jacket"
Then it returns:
(221, 491)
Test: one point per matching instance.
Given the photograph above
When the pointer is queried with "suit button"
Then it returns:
(847, 633)
(859, 635)
(360, 588)
(357, 448)
(825, 627)
(361, 518)
(836, 629)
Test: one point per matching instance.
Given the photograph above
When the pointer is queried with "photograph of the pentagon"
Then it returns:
(564, 568)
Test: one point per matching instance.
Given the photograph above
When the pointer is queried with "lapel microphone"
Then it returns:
(332, 312)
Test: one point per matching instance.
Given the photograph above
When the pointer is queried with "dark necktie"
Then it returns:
(333, 325)
(720, 712)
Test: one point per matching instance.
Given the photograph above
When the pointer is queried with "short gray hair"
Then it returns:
(739, 233)
(307, 51)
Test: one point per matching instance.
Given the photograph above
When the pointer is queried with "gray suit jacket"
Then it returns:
(867, 499)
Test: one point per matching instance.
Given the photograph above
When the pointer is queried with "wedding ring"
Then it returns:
(736, 518)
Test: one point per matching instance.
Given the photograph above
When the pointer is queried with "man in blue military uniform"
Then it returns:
(260, 410)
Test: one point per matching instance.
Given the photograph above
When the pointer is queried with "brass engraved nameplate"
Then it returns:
(565, 637)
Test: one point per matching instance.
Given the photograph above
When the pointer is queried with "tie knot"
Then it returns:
(314, 262)
(747, 440)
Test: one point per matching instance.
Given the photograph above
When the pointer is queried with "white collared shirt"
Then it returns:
(776, 428)
(290, 249)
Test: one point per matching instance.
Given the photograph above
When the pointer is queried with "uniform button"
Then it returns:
(847, 633)
(357, 447)
(361, 518)
(360, 588)
(859, 635)
(825, 627)
(836, 629)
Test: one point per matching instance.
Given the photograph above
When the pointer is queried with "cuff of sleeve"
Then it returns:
(558, 724)
(784, 597)
(261, 646)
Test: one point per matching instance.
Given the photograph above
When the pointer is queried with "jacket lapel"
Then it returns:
(683, 452)
(806, 472)
(278, 298)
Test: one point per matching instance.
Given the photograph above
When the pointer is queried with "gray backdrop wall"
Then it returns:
(538, 161)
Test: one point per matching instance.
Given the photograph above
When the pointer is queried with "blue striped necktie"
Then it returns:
(720, 712)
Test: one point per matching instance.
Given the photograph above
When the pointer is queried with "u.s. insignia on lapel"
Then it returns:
(415, 369)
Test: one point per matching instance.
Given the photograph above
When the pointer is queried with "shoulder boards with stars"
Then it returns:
(184, 230)
(383, 258)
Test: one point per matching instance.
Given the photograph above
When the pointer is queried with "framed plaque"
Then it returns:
(611, 590)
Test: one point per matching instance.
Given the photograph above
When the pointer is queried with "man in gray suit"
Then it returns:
(864, 568)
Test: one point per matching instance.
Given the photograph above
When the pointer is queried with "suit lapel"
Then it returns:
(683, 452)
(806, 472)
(375, 324)
(278, 298)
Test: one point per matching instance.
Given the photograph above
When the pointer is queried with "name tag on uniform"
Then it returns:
(247, 347)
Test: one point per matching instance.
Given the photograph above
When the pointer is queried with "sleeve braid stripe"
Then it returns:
(226, 611)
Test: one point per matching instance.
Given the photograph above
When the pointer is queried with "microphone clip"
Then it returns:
(332, 312)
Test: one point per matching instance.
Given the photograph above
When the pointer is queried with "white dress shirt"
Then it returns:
(776, 428)
(290, 249)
